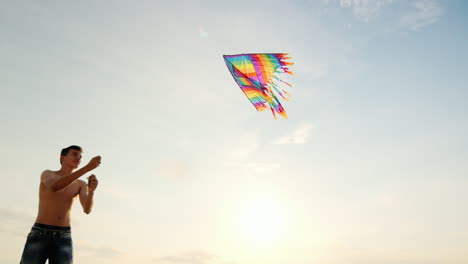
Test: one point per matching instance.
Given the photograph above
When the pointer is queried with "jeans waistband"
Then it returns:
(51, 227)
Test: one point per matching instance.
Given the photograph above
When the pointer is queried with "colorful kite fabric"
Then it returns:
(256, 76)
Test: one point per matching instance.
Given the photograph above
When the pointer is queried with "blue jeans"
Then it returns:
(48, 242)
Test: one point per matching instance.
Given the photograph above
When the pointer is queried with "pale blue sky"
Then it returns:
(369, 168)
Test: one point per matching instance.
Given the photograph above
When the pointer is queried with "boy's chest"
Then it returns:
(70, 191)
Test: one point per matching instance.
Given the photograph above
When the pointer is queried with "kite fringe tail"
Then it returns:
(286, 70)
(288, 84)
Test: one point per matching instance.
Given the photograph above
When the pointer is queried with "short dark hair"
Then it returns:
(65, 151)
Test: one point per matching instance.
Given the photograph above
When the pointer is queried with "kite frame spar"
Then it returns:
(255, 74)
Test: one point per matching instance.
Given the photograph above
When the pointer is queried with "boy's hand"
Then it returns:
(93, 163)
(92, 183)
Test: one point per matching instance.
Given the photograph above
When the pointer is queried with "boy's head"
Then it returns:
(71, 156)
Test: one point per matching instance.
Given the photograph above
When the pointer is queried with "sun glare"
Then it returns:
(262, 220)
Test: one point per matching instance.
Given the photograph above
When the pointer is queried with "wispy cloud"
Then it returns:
(424, 13)
(375, 255)
(413, 14)
(365, 9)
(300, 135)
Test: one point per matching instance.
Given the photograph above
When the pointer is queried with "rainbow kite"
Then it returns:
(255, 75)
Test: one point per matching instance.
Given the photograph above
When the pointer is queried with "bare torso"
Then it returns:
(54, 207)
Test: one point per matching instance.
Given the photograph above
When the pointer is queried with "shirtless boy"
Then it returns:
(50, 236)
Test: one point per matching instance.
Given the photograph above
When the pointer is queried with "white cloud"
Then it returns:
(299, 136)
(425, 12)
(420, 13)
(365, 9)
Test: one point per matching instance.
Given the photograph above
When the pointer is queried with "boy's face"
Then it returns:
(72, 159)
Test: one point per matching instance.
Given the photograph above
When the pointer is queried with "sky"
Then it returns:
(370, 167)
